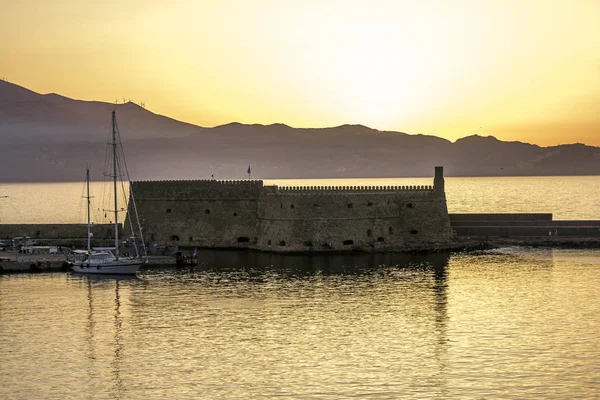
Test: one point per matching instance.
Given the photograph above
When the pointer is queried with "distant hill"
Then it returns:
(24, 113)
(51, 138)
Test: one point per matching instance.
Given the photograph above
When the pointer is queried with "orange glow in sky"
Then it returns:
(519, 70)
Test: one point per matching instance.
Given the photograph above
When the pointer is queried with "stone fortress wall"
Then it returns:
(247, 214)
(197, 213)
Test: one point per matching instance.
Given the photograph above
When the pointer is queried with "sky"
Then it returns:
(519, 70)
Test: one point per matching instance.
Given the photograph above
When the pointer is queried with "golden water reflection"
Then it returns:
(508, 323)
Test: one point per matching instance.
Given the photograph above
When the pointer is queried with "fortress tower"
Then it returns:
(438, 180)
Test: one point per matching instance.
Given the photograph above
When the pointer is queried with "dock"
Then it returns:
(12, 262)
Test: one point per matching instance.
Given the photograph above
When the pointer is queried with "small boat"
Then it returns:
(107, 261)
(182, 260)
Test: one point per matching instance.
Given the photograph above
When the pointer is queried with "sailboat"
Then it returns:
(107, 261)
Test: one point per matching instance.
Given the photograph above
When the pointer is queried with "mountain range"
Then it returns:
(49, 137)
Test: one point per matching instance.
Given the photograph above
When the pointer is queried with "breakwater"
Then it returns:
(521, 225)
(58, 234)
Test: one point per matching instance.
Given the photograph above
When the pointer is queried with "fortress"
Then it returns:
(248, 214)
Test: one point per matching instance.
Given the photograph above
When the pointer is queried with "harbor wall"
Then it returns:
(55, 231)
(520, 225)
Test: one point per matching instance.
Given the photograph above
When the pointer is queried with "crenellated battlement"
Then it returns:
(388, 189)
(252, 182)
(191, 189)
(259, 183)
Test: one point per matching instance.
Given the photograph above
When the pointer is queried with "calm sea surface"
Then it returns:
(511, 324)
(567, 197)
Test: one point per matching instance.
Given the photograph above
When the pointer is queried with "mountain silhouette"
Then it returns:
(49, 137)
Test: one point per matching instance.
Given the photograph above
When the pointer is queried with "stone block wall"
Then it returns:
(248, 214)
(363, 218)
(198, 213)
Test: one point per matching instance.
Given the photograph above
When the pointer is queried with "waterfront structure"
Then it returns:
(248, 214)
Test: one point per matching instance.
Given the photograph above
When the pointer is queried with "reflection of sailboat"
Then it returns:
(116, 363)
(105, 261)
(93, 327)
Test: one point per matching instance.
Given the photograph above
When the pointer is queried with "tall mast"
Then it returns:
(114, 145)
(89, 228)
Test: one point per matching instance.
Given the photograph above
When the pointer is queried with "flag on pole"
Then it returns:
(249, 170)
(195, 254)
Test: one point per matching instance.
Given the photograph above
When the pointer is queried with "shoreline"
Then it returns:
(479, 243)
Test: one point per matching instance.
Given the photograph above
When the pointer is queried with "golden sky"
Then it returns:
(519, 70)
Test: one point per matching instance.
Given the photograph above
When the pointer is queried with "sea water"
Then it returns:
(510, 323)
(513, 323)
(566, 197)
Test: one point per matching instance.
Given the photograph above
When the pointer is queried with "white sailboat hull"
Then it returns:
(119, 267)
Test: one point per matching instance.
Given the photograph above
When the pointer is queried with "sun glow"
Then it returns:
(515, 68)
(379, 83)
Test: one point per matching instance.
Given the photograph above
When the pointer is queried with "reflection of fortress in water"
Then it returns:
(289, 265)
(246, 214)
